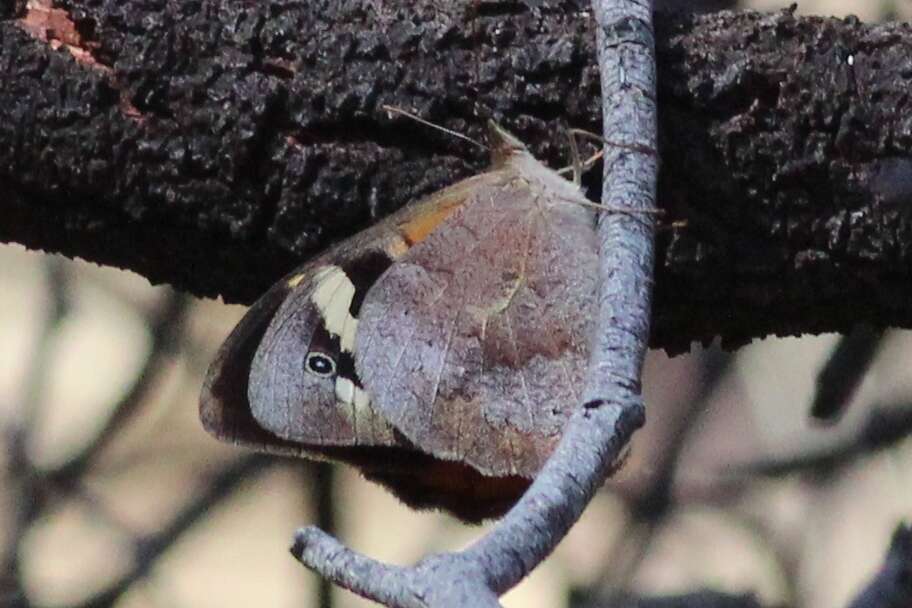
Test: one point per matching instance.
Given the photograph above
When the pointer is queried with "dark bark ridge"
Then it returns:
(213, 145)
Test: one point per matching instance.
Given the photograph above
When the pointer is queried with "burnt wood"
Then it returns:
(215, 145)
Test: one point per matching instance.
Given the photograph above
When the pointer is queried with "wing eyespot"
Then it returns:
(320, 364)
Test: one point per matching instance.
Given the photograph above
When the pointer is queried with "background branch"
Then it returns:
(882, 428)
(151, 548)
(214, 147)
(892, 586)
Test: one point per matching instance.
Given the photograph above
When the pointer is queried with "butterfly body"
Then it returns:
(440, 351)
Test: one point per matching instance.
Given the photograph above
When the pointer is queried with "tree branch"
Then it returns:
(215, 145)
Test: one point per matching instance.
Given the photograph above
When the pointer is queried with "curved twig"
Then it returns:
(612, 406)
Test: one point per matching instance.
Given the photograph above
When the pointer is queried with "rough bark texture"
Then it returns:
(213, 145)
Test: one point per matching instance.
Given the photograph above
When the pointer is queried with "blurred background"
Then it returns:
(113, 495)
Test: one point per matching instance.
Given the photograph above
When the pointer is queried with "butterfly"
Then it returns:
(439, 351)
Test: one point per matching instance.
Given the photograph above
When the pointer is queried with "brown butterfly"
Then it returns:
(438, 351)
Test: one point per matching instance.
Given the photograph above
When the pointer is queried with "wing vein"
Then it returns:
(564, 364)
(533, 219)
(446, 356)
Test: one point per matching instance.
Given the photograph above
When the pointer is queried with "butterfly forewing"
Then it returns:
(224, 407)
(303, 386)
(261, 389)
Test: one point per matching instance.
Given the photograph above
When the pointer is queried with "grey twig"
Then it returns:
(612, 406)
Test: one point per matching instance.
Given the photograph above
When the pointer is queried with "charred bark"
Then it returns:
(213, 145)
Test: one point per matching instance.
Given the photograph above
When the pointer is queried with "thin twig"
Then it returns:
(884, 427)
(650, 509)
(698, 599)
(322, 479)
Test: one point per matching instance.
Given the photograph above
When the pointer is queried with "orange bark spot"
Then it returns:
(54, 26)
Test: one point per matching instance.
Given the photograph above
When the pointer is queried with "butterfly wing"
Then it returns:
(474, 343)
(478, 420)
(224, 406)
(303, 386)
(259, 391)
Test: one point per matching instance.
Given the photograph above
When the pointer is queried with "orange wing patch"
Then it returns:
(415, 229)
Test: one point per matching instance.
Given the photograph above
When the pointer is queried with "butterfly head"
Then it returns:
(504, 145)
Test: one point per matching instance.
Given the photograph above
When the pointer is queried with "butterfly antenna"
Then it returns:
(578, 166)
(614, 208)
(585, 165)
(576, 161)
(394, 110)
(588, 135)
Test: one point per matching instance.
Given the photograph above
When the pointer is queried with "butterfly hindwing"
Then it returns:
(472, 344)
